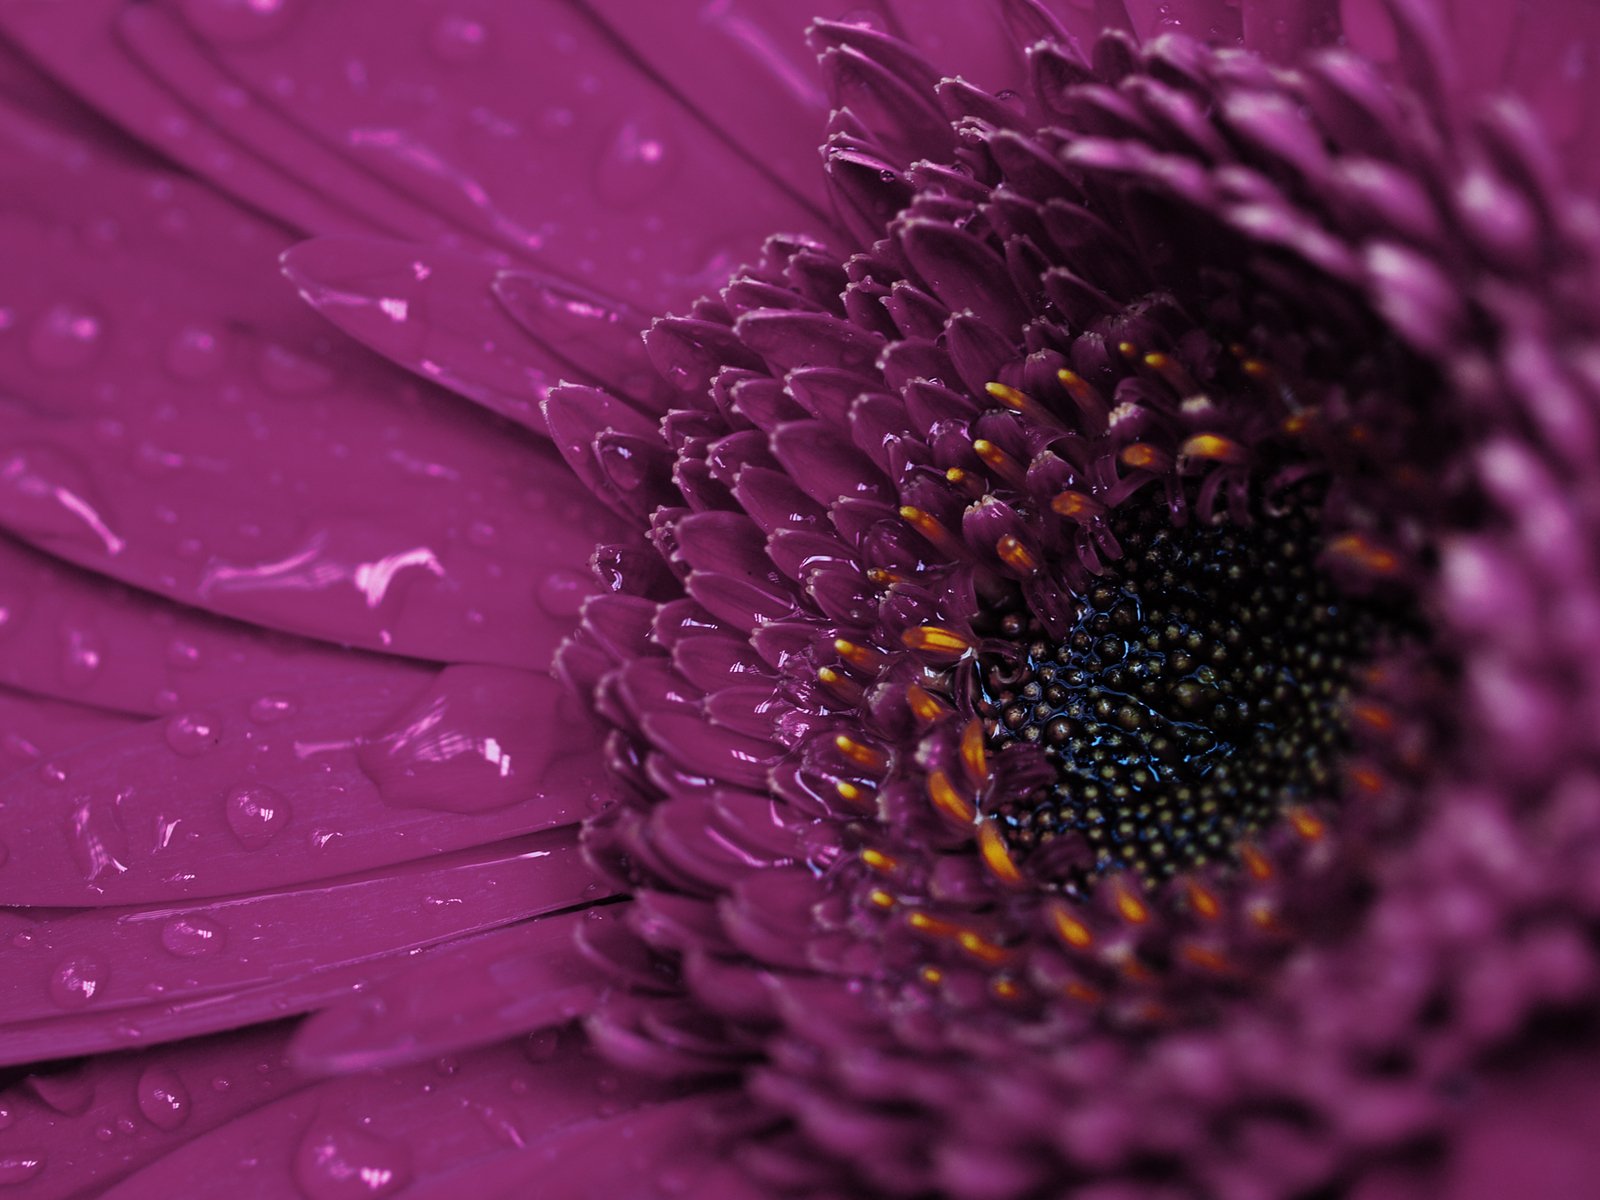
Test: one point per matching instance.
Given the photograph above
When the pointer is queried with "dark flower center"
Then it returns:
(1202, 689)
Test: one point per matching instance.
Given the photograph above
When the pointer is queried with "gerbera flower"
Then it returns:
(1072, 666)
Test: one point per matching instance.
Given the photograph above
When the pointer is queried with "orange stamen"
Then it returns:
(998, 461)
(1016, 556)
(973, 754)
(1216, 448)
(1142, 456)
(1204, 902)
(925, 706)
(936, 639)
(1076, 506)
(996, 856)
(1307, 824)
(931, 530)
(949, 801)
(879, 861)
(1073, 932)
(1362, 552)
(863, 657)
(867, 757)
(1255, 862)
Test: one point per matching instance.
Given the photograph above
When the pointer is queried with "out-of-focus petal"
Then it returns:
(108, 979)
(86, 1126)
(391, 1133)
(174, 424)
(492, 987)
(71, 634)
(32, 727)
(293, 786)
(439, 131)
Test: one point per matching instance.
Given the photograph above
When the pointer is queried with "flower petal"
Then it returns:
(270, 790)
(71, 634)
(505, 982)
(91, 980)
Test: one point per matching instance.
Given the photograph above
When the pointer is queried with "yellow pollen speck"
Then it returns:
(1128, 349)
(931, 976)
(860, 753)
(936, 639)
(949, 801)
(1005, 989)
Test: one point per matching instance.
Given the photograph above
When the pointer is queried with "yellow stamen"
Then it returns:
(996, 856)
(974, 756)
(852, 794)
(1015, 555)
(1079, 388)
(884, 578)
(998, 461)
(840, 684)
(931, 976)
(1129, 907)
(1204, 902)
(936, 639)
(879, 861)
(931, 530)
(1009, 396)
(1128, 350)
(925, 706)
(1076, 506)
(880, 898)
(981, 948)
(1373, 715)
(1361, 551)
(867, 757)
(1205, 958)
(1255, 862)
(1307, 824)
(1144, 457)
(949, 801)
(1005, 989)
(1073, 932)
(1216, 448)
(857, 656)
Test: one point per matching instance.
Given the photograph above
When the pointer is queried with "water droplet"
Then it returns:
(162, 1098)
(562, 592)
(66, 337)
(77, 982)
(191, 734)
(7, 1116)
(274, 706)
(237, 22)
(292, 374)
(183, 654)
(256, 815)
(193, 935)
(19, 1166)
(195, 352)
(481, 738)
(637, 162)
(457, 39)
(82, 652)
(99, 841)
(340, 1163)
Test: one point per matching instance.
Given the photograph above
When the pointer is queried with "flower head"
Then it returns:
(1088, 647)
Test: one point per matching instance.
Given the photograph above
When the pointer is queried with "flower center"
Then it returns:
(1200, 691)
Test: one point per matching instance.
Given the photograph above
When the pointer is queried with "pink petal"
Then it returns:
(165, 436)
(430, 311)
(32, 727)
(296, 786)
(69, 633)
(508, 981)
(90, 1125)
(376, 1135)
(107, 978)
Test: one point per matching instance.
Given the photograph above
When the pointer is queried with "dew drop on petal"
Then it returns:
(19, 1166)
(66, 337)
(194, 353)
(81, 655)
(162, 1098)
(458, 39)
(238, 22)
(272, 707)
(193, 935)
(562, 592)
(191, 734)
(76, 982)
(256, 814)
(340, 1163)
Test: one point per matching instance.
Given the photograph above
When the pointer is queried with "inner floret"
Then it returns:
(1201, 690)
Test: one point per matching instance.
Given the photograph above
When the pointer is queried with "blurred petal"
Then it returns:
(294, 786)
(107, 978)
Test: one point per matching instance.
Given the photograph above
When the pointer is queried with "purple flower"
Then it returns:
(1073, 668)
